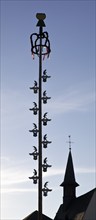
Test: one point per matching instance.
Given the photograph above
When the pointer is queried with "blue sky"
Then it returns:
(71, 28)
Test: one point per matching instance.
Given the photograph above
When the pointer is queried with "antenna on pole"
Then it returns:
(70, 142)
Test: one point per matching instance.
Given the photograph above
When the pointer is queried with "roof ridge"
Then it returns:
(89, 192)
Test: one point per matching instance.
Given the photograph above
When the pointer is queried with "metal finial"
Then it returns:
(70, 142)
(40, 17)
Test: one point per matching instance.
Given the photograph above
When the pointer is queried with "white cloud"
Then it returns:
(73, 101)
(17, 190)
(14, 180)
(75, 98)
(15, 176)
(80, 170)
(85, 170)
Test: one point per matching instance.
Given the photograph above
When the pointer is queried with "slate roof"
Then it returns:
(76, 208)
(34, 216)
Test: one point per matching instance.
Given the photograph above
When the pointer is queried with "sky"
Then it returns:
(71, 28)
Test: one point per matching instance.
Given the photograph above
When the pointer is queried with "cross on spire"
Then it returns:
(70, 142)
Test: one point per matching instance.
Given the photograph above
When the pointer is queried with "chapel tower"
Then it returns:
(69, 184)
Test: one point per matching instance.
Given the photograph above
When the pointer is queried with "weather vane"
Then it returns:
(40, 46)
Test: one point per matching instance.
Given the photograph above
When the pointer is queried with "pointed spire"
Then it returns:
(69, 178)
(69, 184)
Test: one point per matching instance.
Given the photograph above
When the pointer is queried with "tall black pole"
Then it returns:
(40, 131)
(40, 45)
